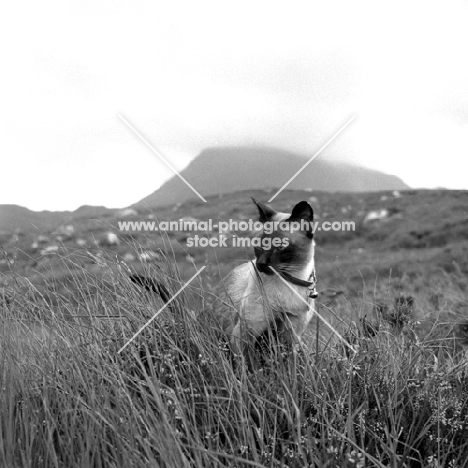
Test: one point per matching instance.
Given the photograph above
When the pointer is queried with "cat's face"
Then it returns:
(287, 239)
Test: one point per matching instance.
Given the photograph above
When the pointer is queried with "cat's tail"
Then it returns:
(152, 285)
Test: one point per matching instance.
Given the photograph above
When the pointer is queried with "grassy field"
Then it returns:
(175, 397)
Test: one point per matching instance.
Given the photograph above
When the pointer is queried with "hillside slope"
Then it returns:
(15, 217)
(229, 169)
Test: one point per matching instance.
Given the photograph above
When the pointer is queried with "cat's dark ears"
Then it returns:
(302, 211)
(265, 212)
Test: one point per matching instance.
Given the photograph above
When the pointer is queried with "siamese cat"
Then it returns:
(276, 290)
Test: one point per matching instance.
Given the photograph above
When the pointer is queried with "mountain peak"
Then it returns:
(231, 168)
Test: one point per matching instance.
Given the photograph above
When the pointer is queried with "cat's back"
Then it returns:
(230, 293)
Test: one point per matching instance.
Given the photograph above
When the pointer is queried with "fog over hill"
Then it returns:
(228, 169)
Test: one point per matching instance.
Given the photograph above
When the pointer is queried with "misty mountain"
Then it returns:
(228, 169)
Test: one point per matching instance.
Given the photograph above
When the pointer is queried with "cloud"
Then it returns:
(195, 74)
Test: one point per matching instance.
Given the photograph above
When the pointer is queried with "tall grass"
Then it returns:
(176, 397)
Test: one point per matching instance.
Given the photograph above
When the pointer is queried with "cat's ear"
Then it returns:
(303, 212)
(265, 212)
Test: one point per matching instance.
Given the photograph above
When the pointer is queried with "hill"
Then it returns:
(230, 169)
(14, 217)
(18, 218)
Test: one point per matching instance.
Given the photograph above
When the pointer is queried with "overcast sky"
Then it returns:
(196, 74)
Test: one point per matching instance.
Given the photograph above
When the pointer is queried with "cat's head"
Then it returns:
(286, 242)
